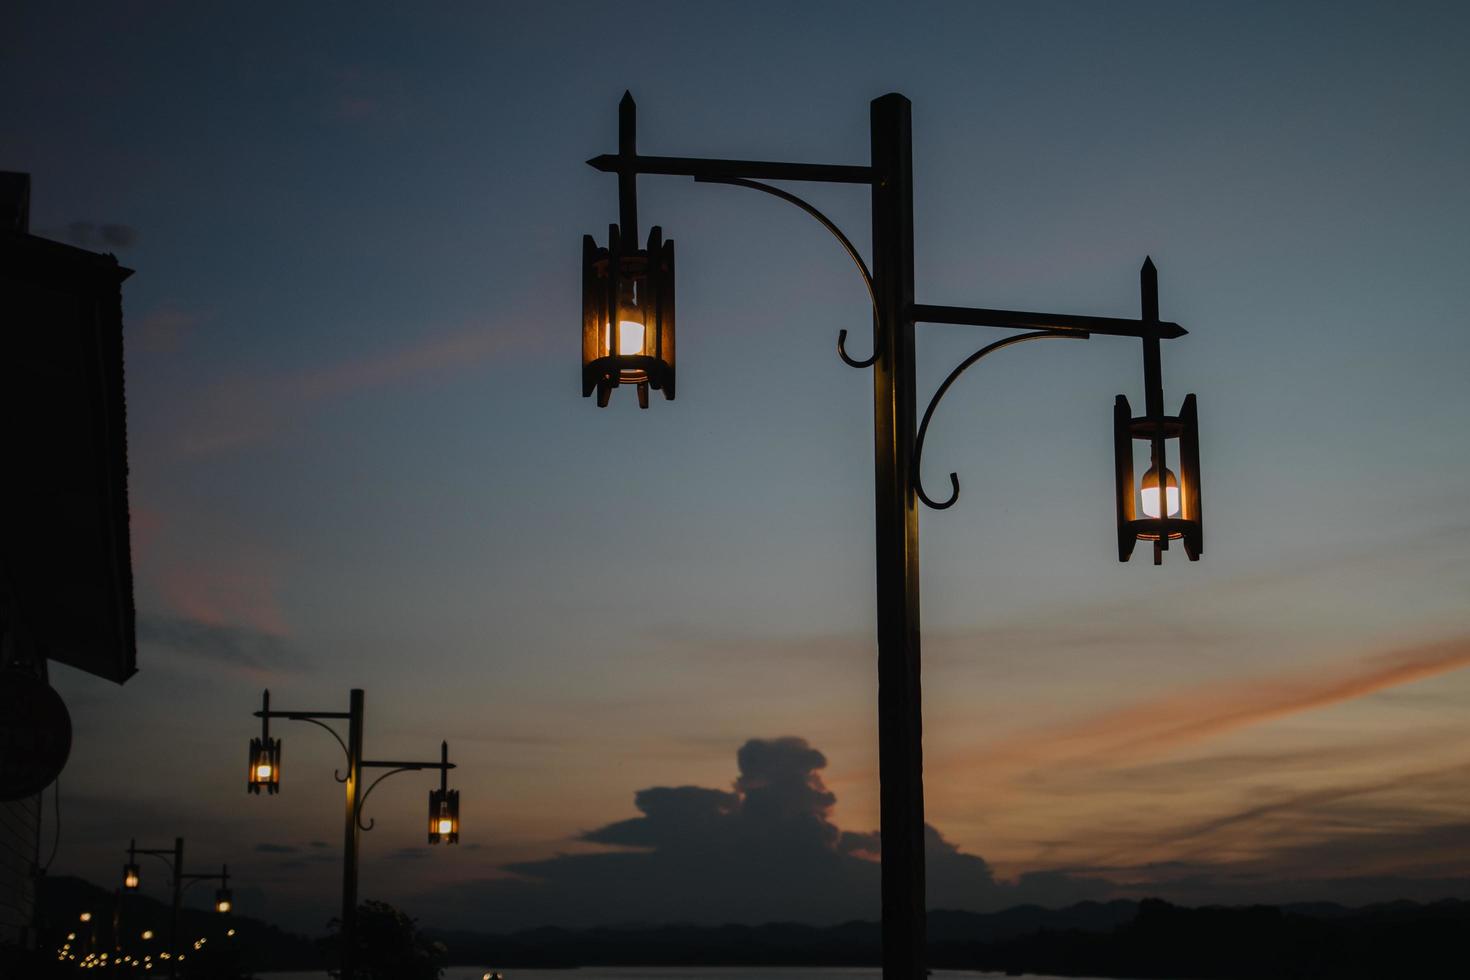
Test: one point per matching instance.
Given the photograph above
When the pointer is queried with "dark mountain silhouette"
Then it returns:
(1123, 939)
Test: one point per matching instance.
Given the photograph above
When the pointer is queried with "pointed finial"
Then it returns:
(1148, 282)
(1148, 263)
(627, 98)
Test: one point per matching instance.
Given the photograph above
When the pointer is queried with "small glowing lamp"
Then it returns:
(1179, 517)
(85, 917)
(444, 806)
(147, 934)
(131, 877)
(627, 316)
(265, 756)
(222, 903)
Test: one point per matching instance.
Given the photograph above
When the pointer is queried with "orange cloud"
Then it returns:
(1161, 725)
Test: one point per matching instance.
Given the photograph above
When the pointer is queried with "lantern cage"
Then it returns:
(444, 816)
(1170, 503)
(222, 901)
(627, 316)
(131, 877)
(265, 765)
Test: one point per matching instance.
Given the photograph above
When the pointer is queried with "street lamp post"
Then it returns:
(627, 329)
(174, 858)
(265, 773)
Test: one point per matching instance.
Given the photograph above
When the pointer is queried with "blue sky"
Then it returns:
(359, 457)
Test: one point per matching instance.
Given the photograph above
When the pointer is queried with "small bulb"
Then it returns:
(263, 772)
(445, 825)
(630, 337)
(222, 906)
(87, 916)
(1150, 492)
(147, 933)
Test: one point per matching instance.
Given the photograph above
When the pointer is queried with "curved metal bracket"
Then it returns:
(954, 480)
(842, 239)
(333, 732)
(362, 800)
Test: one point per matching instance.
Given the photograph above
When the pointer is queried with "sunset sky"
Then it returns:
(359, 456)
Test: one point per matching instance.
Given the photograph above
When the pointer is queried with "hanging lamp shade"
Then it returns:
(265, 765)
(1162, 506)
(627, 316)
(444, 816)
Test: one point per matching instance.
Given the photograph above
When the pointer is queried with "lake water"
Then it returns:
(685, 973)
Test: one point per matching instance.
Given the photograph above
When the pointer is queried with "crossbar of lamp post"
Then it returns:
(356, 797)
(897, 445)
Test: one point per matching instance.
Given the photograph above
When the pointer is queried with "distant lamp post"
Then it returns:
(627, 338)
(265, 757)
(356, 796)
(182, 882)
(444, 806)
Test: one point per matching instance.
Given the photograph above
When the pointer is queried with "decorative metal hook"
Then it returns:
(362, 800)
(338, 776)
(954, 480)
(333, 732)
(843, 240)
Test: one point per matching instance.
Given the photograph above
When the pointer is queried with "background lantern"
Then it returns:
(222, 902)
(1154, 509)
(131, 877)
(444, 806)
(627, 316)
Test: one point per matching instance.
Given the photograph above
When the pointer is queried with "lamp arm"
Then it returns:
(330, 731)
(843, 240)
(158, 854)
(954, 480)
(362, 800)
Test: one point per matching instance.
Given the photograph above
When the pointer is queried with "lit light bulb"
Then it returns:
(147, 933)
(223, 905)
(630, 337)
(1150, 492)
(263, 771)
(85, 917)
(445, 825)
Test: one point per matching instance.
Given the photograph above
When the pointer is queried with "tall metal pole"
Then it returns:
(173, 929)
(900, 730)
(352, 837)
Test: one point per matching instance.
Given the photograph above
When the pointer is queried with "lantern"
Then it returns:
(131, 878)
(265, 754)
(444, 805)
(444, 816)
(627, 316)
(265, 765)
(222, 903)
(1169, 504)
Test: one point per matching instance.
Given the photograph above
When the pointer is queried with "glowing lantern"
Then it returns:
(444, 806)
(265, 756)
(1179, 517)
(627, 316)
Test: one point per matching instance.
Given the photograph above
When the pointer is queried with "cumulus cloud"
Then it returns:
(767, 849)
